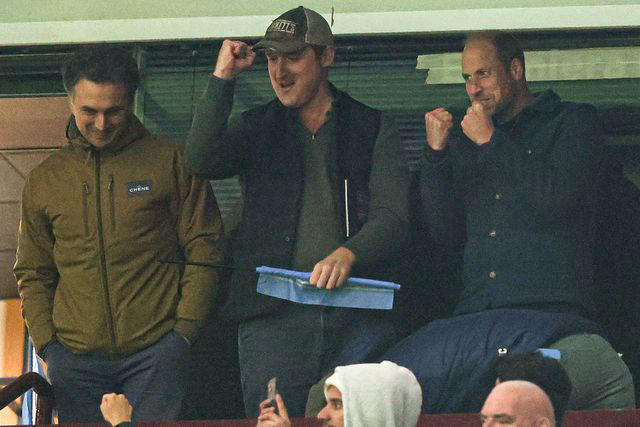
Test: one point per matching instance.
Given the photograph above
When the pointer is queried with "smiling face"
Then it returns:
(100, 110)
(299, 77)
(332, 414)
(487, 80)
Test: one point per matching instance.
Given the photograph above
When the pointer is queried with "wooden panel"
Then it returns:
(14, 167)
(13, 339)
(11, 345)
(30, 128)
(33, 122)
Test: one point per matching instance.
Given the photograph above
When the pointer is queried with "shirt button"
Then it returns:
(529, 151)
(492, 274)
(287, 239)
(498, 196)
(492, 233)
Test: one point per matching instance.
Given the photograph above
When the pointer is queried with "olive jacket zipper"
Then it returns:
(104, 276)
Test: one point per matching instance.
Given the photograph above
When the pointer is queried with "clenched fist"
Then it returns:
(233, 58)
(477, 124)
(438, 124)
(115, 408)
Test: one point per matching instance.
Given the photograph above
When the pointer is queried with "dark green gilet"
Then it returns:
(273, 187)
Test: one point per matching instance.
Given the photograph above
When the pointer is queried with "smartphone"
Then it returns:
(271, 393)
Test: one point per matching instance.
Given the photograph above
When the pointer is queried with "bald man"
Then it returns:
(518, 403)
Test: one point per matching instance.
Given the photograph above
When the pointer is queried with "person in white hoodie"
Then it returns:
(368, 394)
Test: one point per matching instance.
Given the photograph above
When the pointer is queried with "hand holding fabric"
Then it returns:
(334, 270)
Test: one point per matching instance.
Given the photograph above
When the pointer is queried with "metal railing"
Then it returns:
(24, 383)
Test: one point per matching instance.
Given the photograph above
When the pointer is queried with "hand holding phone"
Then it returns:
(271, 394)
(273, 411)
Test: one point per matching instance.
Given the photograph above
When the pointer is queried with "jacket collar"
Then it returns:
(130, 132)
(544, 101)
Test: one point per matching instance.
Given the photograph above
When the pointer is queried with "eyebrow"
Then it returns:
(504, 417)
(114, 109)
(465, 76)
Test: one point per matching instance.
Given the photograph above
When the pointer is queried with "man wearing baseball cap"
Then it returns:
(325, 191)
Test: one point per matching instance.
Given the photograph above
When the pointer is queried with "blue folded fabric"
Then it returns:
(550, 353)
(355, 293)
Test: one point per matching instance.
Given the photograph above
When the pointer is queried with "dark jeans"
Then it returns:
(151, 379)
(301, 343)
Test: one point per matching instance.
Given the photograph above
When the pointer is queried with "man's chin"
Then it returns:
(100, 142)
(488, 106)
(287, 101)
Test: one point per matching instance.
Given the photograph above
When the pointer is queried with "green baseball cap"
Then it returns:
(295, 29)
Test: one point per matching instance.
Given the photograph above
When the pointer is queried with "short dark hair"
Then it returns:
(102, 64)
(507, 46)
(546, 373)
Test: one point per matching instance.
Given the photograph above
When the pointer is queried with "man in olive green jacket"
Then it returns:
(97, 216)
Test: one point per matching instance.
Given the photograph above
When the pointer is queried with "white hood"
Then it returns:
(377, 394)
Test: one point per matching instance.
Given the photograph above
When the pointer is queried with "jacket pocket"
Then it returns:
(85, 207)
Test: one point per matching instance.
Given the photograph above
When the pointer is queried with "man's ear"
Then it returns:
(543, 422)
(328, 56)
(70, 100)
(516, 69)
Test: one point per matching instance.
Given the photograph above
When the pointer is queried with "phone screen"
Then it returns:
(271, 393)
(271, 389)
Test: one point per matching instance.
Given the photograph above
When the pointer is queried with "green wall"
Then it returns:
(16, 11)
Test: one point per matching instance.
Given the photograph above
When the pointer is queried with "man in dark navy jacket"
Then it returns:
(517, 191)
(517, 188)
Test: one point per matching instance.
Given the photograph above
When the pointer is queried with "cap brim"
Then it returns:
(283, 46)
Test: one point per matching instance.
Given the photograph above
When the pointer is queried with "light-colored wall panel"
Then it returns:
(71, 21)
(77, 10)
(548, 65)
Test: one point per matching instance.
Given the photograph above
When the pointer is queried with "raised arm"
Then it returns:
(442, 210)
(215, 147)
